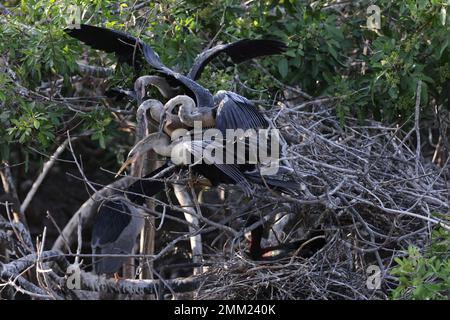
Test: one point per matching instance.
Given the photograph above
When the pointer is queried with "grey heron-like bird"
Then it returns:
(118, 223)
(114, 232)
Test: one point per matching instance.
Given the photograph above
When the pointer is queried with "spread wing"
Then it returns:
(203, 98)
(133, 51)
(238, 51)
(206, 163)
(236, 112)
(127, 48)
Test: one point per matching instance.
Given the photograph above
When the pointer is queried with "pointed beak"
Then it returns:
(138, 150)
(143, 146)
(125, 165)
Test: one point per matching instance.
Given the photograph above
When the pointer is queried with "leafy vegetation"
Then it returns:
(331, 53)
(373, 72)
(425, 275)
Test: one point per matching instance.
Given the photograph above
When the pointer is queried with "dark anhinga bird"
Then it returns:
(132, 51)
(241, 174)
(314, 243)
(118, 224)
(224, 110)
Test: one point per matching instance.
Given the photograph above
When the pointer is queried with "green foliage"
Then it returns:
(327, 55)
(375, 73)
(98, 121)
(36, 50)
(33, 123)
(425, 275)
(330, 52)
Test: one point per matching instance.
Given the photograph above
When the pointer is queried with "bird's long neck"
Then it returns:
(156, 110)
(189, 112)
(163, 148)
(159, 82)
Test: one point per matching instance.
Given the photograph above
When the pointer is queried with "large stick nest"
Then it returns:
(364, 185)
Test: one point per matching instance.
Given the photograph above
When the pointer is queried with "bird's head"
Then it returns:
(189, 112)
(159, 142)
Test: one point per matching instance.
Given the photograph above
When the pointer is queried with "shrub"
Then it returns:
(425, 274)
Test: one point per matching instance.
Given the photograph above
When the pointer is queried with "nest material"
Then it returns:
(361, 183)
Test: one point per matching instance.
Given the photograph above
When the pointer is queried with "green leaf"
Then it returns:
(332, 51)
(444, 45)
(337, 33)
(36, 124)
(101, 140)
(291, 53)
(23, 137)
(283, 67)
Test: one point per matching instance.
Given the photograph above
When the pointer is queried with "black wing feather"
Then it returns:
(131, 50)
(236, 112)
(238, 51)
(204, 98)
(127, 48)
(287, 186)
(233, 172)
